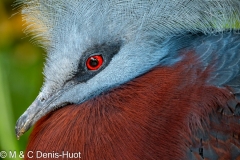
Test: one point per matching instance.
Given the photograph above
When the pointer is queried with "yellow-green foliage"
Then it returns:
(20, 75)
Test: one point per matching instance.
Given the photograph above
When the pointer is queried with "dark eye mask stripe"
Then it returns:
(107, 51)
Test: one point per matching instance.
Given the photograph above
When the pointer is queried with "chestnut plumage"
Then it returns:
(158, 115)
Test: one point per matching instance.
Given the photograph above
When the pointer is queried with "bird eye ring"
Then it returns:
(94, 62)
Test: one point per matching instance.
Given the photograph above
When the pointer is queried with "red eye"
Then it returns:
(94, 62)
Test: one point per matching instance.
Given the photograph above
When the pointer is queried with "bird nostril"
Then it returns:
(42, 99)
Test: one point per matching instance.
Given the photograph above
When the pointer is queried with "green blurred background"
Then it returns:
(21, 77)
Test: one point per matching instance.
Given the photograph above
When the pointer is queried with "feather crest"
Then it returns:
(51, 21)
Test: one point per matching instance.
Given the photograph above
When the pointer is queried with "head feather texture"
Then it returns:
(51, 21)
(66, 29)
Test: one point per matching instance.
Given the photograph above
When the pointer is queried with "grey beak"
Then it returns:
(35, 111)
